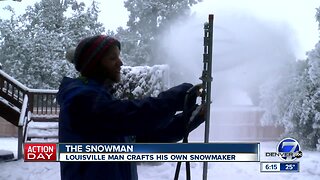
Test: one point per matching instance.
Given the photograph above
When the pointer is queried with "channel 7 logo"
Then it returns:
(288, 149)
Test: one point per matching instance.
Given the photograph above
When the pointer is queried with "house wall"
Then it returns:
(238, 123)
(7, 129)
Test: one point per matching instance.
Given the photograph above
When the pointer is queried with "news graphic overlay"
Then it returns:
(198, 152)
(289, 149)
(40, 152)
(279, 167)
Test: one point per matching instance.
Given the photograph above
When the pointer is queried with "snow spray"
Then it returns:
(247, 52)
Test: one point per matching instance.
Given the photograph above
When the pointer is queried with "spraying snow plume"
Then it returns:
(247, 51)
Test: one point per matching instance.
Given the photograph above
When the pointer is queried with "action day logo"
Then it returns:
(288, 149)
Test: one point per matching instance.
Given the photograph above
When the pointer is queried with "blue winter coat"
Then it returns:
(90, 114)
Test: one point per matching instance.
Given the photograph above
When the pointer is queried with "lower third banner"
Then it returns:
(211, 152)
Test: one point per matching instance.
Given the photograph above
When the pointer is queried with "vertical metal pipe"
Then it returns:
(206, 79)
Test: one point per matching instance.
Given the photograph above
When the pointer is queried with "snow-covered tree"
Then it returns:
(146, 21)
(142, 81)
(33, 45)
(293, 100)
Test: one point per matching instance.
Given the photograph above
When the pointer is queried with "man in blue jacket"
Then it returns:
(91, 114)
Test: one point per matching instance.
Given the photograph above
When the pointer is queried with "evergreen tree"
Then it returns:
(33, 45)
(146, 21)
(142, 81)
(293, 100)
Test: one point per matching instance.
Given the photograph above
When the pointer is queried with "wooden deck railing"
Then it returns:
(12, 90)
(41, 101)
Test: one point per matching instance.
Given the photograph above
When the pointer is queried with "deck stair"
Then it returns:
(34, 111)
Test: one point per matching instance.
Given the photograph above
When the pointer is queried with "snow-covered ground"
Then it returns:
(310, 168)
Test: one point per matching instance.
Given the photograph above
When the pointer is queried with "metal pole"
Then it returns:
(206, 81)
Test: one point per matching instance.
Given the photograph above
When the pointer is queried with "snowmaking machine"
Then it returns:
(202, 90)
